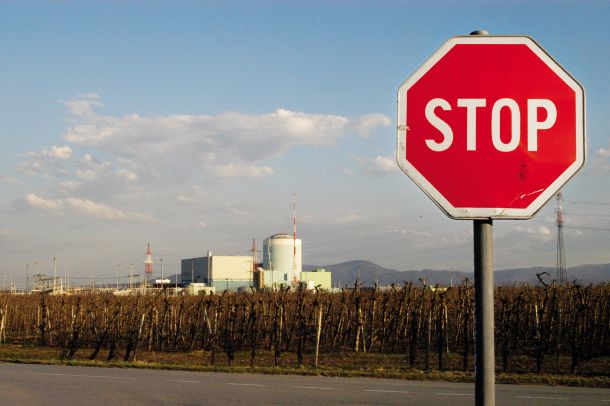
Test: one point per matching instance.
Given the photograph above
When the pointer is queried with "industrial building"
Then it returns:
(220, 272)
(281, 267)
(317, 278)
(282, 260)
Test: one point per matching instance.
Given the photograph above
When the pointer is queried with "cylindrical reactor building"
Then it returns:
(282, 259)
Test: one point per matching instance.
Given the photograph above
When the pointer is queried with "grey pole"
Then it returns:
(485, 392)
(485, 365)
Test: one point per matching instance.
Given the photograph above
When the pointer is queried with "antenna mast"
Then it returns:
(254, 261)
(294, 239)
(254, 258)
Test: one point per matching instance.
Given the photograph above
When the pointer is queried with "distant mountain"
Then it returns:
(592, 273)
(344, 274)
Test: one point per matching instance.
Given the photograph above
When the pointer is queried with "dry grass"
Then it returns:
(347, 364)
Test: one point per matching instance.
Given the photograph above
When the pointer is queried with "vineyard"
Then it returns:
(546, 328)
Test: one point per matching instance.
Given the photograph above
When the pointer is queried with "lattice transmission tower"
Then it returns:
(148, 265)
(561, 253)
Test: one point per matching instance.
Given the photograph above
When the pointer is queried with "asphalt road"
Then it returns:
(47, 385)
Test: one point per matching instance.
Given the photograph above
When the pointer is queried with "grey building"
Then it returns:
(195, 270)
(221, 272)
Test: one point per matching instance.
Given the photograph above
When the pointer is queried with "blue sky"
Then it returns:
(190, 124)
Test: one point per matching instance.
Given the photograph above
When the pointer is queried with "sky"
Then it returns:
(189, 125)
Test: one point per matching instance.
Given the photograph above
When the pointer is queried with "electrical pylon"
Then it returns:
(561, 253)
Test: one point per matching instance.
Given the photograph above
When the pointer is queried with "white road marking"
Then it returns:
(312, 387)
(244, 384)
(454, 394)
(179, 381)
(386, 391)
(81, 376)
(540, 397)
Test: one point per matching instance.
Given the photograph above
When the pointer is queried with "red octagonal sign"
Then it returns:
(490, 127)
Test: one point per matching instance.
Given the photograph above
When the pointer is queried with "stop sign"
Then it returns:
(490, 127)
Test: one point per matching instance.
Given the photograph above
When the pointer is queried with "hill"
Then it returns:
(345, 273)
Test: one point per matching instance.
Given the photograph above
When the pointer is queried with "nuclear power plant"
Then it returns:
(281, 268)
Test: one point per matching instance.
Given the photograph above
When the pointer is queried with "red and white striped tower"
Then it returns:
(295, 277)
(148, 263)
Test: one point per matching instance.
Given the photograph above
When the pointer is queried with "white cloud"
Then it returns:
(64, 152)
(47, 162)
(544, 230)
(37, 202)
(127, 175)
(347, 218)
(8, 179)
(127, 157)
(600, 164)
(87, 174)
(83, 106)
(81, 175)
(368, 122)
(68, 185)
(269, 134)
(603, 152)
(82, 206)
(186, 199)
(412, 232)
(229, 144)
(335, 218)
(94, 209)
(235, 171)
(379, 165)
(425, 239)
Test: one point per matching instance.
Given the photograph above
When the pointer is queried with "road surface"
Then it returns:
(25, 385)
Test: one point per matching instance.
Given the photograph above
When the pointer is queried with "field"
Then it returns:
(546, 334)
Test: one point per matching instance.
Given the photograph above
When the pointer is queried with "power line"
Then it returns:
(589, 228)
(586, 214)
(589, 202)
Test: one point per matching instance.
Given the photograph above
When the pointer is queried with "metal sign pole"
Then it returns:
(484, 313)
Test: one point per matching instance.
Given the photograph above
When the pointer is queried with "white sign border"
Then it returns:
(498, 212)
